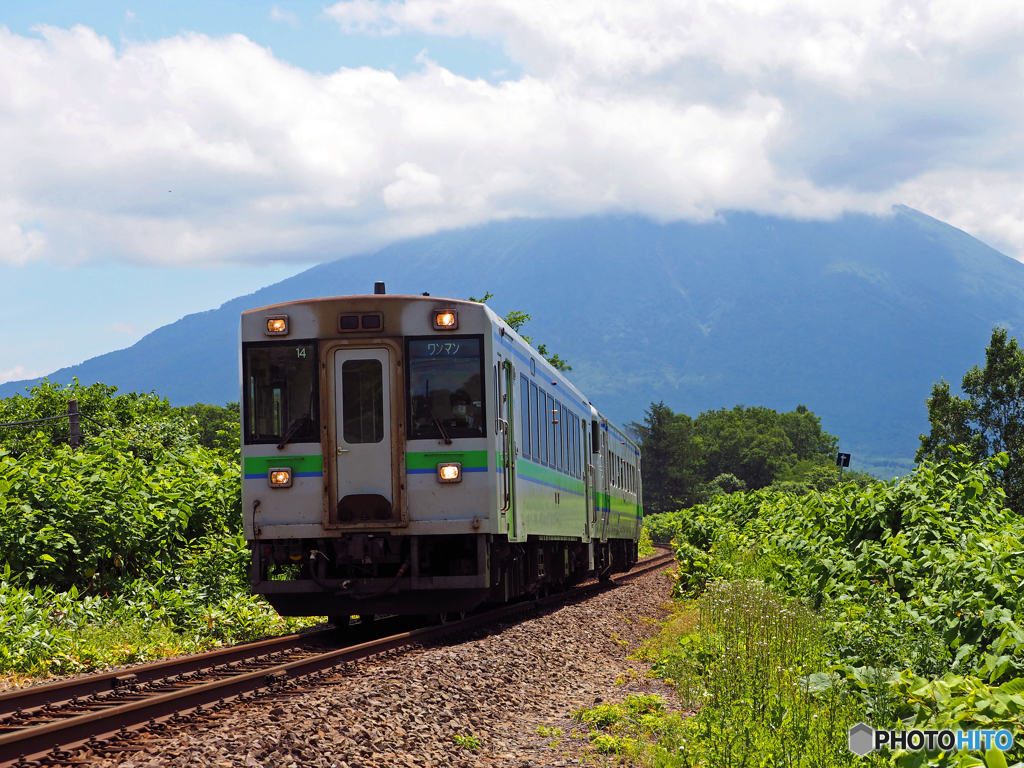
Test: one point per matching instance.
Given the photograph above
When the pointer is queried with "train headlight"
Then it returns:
(280, 477)
(446, 320)
(449, 473)
(277, 325)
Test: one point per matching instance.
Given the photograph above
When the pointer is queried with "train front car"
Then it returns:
(381, 441)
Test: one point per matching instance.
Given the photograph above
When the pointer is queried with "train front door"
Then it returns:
(363, 406)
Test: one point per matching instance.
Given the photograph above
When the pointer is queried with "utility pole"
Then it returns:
(74, 424)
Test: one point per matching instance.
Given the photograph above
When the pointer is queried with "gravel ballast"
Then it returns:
(500, 686)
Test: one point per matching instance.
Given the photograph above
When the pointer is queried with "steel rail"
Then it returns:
(36, 741)
(54, 694)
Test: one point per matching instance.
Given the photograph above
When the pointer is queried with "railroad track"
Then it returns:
(48, 724)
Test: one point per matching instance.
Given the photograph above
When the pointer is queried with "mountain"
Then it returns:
(855, 318)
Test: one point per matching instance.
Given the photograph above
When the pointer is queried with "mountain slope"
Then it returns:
(855, 318)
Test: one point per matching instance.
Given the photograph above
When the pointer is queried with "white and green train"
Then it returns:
(412, 455)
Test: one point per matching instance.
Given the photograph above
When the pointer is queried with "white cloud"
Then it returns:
(18, 373)
(203, 150)
(413, 188)
(284, 16)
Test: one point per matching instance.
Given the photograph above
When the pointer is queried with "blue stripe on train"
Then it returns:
(434, 471)
(297, 474)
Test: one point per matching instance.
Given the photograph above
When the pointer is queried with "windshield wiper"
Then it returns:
(293, 429)
(440, 426)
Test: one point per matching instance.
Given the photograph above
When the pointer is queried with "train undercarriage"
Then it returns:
(367, 574)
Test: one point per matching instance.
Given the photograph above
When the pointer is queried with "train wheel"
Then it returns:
(444, 618)
(342, 628)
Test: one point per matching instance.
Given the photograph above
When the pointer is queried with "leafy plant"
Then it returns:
(467, 742)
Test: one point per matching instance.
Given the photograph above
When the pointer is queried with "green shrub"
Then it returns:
(127, 547)
(914, 586)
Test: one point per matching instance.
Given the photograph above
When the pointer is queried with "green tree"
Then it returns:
(989, 420)
(809, 441)
(669, 459)
(215, 426)
(749, 443)
(516, 320)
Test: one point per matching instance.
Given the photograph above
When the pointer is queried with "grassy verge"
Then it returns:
(645, 547)
(753, 669)
(44, 632)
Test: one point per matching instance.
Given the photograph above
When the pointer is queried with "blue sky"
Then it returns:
(66, 314)
(157, 159)
(298, 32)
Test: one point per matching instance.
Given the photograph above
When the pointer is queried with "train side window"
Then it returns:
(535, 419)
(562, 457)
(570, 463)
(576, 442)
(575, 445)
(544, 423)
(595, 436)
(560, 415)
(524, 409)
(570, 438)
(497, 402)
(580, 447)
(548, 418)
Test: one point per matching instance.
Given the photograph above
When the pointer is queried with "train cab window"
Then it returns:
(524, 409)
(445, 384)
(282, 396)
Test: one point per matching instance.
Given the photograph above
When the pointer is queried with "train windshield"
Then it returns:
(281, 393)
(446, 387)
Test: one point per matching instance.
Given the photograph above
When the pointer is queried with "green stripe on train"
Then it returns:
(546, 475)
(430, 459)
(260, 465)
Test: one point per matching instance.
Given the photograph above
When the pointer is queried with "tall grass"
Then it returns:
(757, 667)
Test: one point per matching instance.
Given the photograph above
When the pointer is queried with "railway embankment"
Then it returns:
(505, 695)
